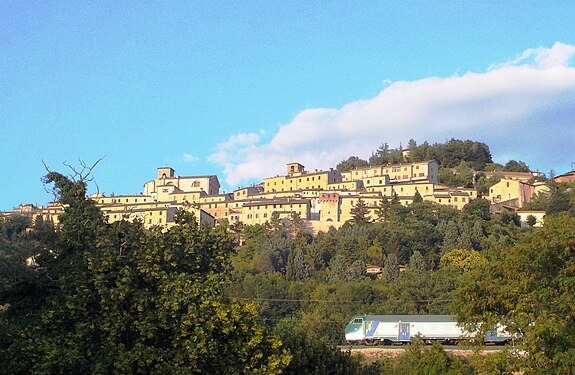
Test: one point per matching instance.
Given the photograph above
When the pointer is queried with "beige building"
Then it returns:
(299, 179)
(405, 172)
(167, 182)
(515, 193)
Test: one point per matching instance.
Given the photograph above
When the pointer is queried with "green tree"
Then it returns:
(382, 210)
(516, 166)
(417, 262)
(463, 259)
(338, 268)
(391, 268)
(478, 209)
(419, 360)
(298, 268)
(417, 198)
(353, 162)
(128, 300)
(360, 213)
(528, 289)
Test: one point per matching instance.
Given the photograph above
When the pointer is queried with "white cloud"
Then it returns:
(542, 58)
(521, 109)
(190, 158)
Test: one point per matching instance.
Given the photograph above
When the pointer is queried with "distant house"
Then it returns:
(566, 177)
(515, 193)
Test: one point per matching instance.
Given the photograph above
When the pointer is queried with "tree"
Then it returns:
(531, 220)
(129, 300)
(478, 209)
(417, 262)
(360, 213)
(463, 259)
(353, 162)
(516, 166)
(528, 289)
(357, 271)
(375, 252)
(417, 198)
(419, 360)
(311, 355)
(391, 268)
(298, 268)
(382, 210)
(338, 268)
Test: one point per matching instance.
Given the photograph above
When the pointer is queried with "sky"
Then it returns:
(241, 88)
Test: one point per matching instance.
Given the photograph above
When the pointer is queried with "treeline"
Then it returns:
(458, 160)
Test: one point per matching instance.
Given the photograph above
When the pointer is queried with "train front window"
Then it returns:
(357, 321)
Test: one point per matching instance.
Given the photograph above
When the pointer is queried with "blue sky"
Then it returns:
(239, 89)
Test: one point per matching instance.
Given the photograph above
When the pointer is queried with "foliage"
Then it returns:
(463, 259)
(419, 360)
(315, 356)
(453, 152)
(417, 262)
(516, 166)
(353, 162)
(129, 300)
(360, 213)
(460, 176)
(536, 299)
(391, 268)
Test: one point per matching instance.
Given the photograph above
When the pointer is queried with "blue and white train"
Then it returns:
(397, 329)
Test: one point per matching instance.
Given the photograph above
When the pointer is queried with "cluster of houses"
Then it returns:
(321, 198)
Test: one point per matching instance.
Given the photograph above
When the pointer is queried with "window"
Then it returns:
(357, 321)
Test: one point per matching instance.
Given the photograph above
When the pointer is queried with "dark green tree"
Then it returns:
(417, 198)
(127, 300)
(516, 166)
(353, 162)
(360, 213)
(531, 220)
(391, 268)
(382, 210)
(528, 289)
(417, 262)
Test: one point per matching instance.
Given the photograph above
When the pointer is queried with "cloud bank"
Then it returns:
(523, 109)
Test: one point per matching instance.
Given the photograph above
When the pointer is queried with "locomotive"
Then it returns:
(397, 329)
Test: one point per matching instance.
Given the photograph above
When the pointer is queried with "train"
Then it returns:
(399, 329)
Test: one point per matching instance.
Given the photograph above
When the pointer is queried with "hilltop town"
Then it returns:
(321, 199)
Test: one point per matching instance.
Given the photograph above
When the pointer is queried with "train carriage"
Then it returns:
(389, 329)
